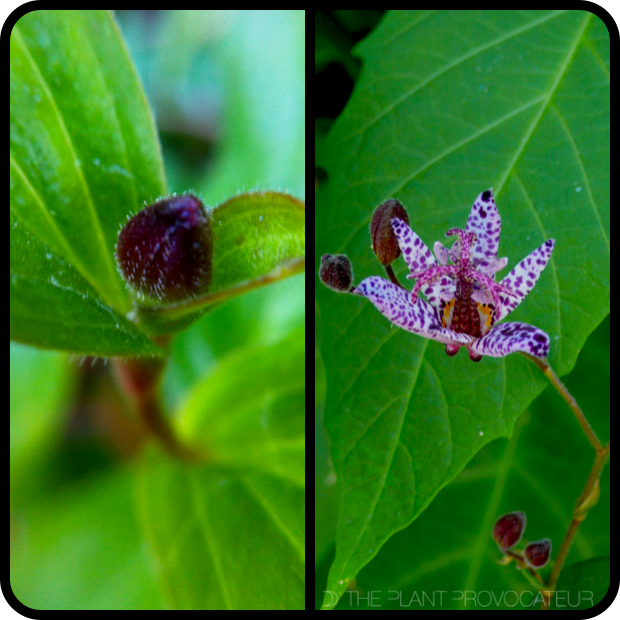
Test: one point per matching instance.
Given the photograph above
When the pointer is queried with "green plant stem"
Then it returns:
(586, 500)
(589, 496)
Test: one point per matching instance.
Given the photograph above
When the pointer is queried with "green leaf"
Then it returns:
(255, 234)
(81, 548)
(325, 499)
(250, 411)
(584, 584)
(248, 418)
(34, 422)
(223, 540)
(84, 153)
(450, 104)
(540, 470)
(54, 307)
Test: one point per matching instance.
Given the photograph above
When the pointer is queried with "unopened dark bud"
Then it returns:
(384, 242)
(509, 529)
(336, 272)
(165, 251)
(537, 553)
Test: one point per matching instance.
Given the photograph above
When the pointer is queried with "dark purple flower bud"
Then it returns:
(336, 272)
(165, 251)
(384, 242)
(537, 553)
(509, 529)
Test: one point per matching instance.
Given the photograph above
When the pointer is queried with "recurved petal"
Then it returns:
(506, 338)
(420, 317)
(523, 277)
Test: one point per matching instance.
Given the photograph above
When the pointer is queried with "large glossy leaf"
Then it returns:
(84, 152)
(450, 104)
(230, 534)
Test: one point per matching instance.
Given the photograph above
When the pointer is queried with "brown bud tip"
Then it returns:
(165, 251)
(384, 242)
(509, 529)
(537, 553)
(336, 272)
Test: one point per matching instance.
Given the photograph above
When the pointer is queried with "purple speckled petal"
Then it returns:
(420, 318)
(416, 254)
(523, 277)
(508, 338)
(443, 290)
(484, 220)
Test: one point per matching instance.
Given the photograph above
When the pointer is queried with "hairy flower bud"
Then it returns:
(165, 251)
(536, 554)
(336, 272)
(509, 529)
(384, 242)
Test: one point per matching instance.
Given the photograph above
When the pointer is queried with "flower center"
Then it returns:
(464, 313)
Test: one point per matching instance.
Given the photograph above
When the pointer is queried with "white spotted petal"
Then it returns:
(414, 250)
(523, 277)
(485, 222)
(443, 256)
(420, 318)
(418, 258)
(508, 338)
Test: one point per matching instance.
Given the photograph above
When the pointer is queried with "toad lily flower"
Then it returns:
(465, 303)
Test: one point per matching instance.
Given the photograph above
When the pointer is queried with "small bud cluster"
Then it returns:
(508, 531)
